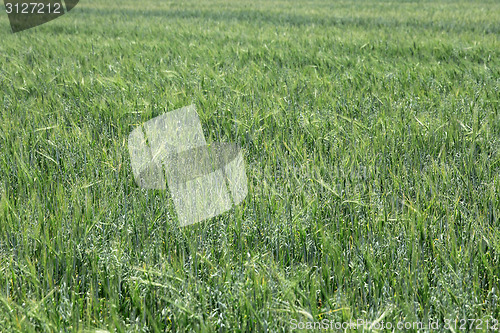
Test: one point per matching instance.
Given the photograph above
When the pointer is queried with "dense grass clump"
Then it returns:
(371, 133)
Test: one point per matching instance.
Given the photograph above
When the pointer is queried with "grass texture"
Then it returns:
(371, 136)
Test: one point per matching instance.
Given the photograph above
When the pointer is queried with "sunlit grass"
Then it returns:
(371, 133)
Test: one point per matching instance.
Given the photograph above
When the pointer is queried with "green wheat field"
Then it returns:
(371, 137)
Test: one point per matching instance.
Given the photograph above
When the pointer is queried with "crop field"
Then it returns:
(371, 139)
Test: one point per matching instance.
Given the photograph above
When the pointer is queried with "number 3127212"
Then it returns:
(33, 8)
